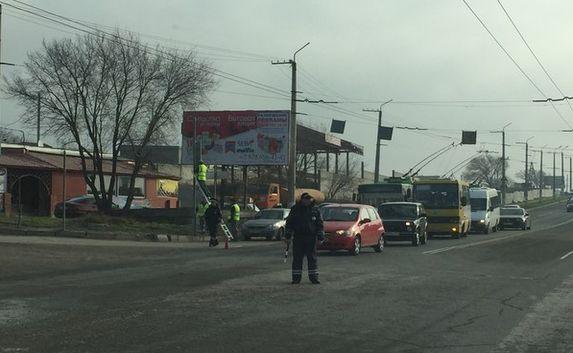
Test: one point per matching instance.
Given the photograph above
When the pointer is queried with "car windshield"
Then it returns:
(398, 211)
(512, 211)
(342, 214)
(437, 195)
(271, 214)
(478, 204)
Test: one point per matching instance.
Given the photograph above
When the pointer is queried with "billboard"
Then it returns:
(249, 137)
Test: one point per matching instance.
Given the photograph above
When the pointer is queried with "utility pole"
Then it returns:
(562, 173)
(38, 122)
(503, 161)
(570, 174)
(292, 127)
(541, 177)
(526, 185)
(377, 161)
(554, 176)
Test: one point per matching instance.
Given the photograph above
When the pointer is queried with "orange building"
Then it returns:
(35, 175)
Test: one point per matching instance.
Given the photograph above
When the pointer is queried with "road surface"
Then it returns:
(509, 291)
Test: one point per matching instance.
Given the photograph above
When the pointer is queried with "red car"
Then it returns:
(352, 227)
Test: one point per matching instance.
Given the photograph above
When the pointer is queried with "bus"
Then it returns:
(391, 190)
(447, 204)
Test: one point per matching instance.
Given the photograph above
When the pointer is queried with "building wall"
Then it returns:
(75, 186)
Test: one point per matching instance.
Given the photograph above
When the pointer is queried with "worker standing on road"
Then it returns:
(201, 209)
(201, 172)
(213, 217)
(234, 219)
(304, 225)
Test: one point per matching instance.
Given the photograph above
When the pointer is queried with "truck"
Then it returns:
(393, 189)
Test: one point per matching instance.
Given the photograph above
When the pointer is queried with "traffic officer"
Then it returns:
(304, 225)
(234, 218)
(213, 217)
(201, 214)
(201, 171)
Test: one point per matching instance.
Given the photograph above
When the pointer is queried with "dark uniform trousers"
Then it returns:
(304, 246)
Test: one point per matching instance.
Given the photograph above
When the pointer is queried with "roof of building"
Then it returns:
(39, 158)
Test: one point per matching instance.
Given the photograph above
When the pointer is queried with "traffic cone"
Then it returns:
(226, 243)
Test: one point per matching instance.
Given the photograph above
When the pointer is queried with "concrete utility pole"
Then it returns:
(377, 161)
(526, 185)
(541, 177)
(554, 176)
(38, 121)
(292, 127)
(503, 161)
(570, 174)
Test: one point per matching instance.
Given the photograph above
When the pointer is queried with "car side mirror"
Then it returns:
(527, 214)
(365, 220)
(464, 201)
(491, 209)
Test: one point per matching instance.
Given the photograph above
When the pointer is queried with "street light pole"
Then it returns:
(503, 160)
(292, 126)
(377, 161)
(526, 185)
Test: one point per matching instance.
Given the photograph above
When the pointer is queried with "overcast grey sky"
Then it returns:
(366, 51)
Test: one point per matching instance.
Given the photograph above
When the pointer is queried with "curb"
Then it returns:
(150, 237)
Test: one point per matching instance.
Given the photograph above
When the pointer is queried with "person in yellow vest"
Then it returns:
(201, 214)
(201, 172)
(234, 218)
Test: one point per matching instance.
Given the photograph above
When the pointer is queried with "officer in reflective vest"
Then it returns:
(201, 214)
(201, 171)
(234, 219)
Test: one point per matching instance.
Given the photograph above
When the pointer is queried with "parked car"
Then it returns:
(569, 205)
(352, 227)
(514, 217)
(268, 223)
(404, 221)
(78, 206)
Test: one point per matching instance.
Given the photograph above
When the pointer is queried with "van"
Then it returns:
(485, 203)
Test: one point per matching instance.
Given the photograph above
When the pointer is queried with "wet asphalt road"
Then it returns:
(509, 291)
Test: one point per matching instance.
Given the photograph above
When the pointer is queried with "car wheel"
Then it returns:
(494, 229)
(280, 234)
(416, 239)
(425, 238)
(246, 237)
(379, 247)
(356, 247)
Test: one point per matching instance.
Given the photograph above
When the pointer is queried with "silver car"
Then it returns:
(268, 223)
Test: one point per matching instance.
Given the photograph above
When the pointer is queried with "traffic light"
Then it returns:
(469, 137)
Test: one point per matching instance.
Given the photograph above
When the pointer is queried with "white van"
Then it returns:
(485, 204)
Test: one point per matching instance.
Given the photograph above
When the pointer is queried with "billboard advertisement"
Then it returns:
(250, 137)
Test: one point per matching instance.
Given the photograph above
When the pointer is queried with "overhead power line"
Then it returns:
(532, 52)
(514, 61)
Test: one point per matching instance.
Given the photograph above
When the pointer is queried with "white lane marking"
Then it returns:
(566, 255)
(440, 250)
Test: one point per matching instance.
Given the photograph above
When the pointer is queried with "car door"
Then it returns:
(376, 222)
(365, 228)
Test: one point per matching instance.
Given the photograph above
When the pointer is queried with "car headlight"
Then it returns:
(482, 220)
(409, 226)
(343, 233)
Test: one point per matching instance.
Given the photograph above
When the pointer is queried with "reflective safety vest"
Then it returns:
(201, 209)
(235, 212)
(202, 172)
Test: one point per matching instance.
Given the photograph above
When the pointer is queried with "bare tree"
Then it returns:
(341, 181)
(105, 91)
(485, 169)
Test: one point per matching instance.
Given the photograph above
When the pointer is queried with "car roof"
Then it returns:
(356, 205)
(275, 209)
(402, 203)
